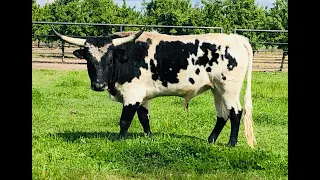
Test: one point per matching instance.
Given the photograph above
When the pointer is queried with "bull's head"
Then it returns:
(100, 53)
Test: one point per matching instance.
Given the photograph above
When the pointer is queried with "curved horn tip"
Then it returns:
(55, 32)
(133, 37)
(140, 32)
(71, 40)
(144, 28)
(52, 28)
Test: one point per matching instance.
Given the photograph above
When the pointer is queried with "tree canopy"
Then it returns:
(228, 14)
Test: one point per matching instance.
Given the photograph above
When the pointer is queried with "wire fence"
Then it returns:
(284, 52)
(52, 46)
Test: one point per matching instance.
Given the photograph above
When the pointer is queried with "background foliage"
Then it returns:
(228, 14)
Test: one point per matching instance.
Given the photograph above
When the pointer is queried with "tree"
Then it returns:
(168, 12)
(35, 10)
(277, 18)
(231, 14)
(63, 2)
(37, 15)
(128, 15)
(213, 13)
(228, 14)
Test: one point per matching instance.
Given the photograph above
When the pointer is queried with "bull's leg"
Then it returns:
(222, 116)
(127, 114)
(143, 117)
(235, 124)
(217, 130)
(232, 102)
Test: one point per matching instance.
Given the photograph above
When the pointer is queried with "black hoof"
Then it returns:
(210, 140)
(149, 135)
(122, 136)
(232, 142)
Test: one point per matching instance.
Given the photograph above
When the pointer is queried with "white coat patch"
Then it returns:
(96, 52)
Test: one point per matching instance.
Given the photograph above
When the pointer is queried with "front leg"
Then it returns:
(127, 114)
(144, 118)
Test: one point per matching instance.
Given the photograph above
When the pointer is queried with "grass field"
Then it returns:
(74, 132)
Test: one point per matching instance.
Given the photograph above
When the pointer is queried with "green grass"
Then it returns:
(74, 132)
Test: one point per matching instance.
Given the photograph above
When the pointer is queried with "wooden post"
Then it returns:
(282, 62)
(62, 49)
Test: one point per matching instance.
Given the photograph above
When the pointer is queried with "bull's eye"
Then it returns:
(108, 59)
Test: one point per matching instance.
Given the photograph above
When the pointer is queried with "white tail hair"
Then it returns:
(247, 117)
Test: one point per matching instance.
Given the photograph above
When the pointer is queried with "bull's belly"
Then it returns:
(190, 85)
(145, 88)
(186, 92)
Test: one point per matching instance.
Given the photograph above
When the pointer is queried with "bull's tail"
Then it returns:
(248, 122)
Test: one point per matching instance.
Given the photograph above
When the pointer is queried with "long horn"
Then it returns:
(75, 41)
(119, 41)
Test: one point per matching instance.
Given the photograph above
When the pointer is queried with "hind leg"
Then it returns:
(222, 116)
(228, 107)
(232, 103)
(235, 125)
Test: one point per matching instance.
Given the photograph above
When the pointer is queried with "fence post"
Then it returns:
(282, 62)
(120, 28)
(62, 49)
(38, 43)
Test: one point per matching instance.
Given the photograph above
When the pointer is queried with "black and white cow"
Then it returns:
(135, 67)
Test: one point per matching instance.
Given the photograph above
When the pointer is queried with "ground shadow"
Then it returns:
(113, 136)
(190, 156)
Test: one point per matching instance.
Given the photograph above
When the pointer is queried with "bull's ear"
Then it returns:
(79, 53)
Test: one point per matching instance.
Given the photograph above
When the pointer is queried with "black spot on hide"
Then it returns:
(126, 62)
(191, 80)
(149, 41)
(197, 71)
(223, 77)
(231, 60)
(204, 60)
(171, 57)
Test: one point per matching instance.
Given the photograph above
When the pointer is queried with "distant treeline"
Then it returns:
(228, 14)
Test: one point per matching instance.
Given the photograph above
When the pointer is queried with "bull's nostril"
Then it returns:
(99, 86)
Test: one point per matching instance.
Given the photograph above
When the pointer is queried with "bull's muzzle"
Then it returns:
(98, 86)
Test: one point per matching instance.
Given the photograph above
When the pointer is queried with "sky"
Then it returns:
(137, 3)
